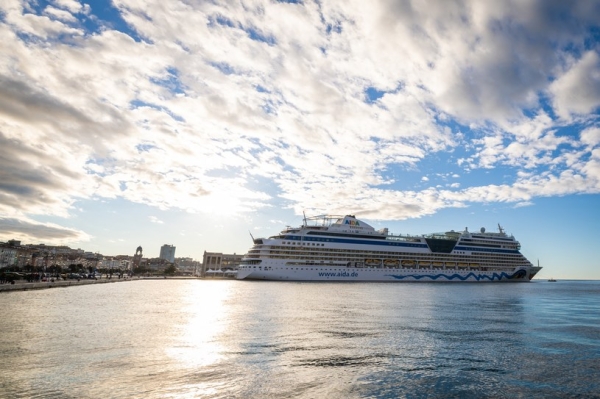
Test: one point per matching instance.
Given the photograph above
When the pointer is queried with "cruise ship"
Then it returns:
(344, 248)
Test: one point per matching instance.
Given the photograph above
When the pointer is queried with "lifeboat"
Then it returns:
(372, 262)
(437, 264)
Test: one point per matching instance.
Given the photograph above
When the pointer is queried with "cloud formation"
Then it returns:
(320, 106)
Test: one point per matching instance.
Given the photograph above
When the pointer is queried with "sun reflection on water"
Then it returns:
(205, 317)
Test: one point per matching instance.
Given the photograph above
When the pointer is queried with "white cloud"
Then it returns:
(71, 5)
(42, 27)
(230, 108)
(59, 14)
(578, 90)
(523, 204)
(24, 229)
(154, 219)
(591, 137)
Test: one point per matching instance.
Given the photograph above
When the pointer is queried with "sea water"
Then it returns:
(245, 339)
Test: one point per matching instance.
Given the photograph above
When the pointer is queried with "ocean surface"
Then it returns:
(244, 339)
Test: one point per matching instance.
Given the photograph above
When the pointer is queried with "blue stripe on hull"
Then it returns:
(393, 244)
(479, 277)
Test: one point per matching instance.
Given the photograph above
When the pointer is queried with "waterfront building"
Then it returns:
(219, 261)
(12, 253)
(158, 265)
(167, 252)
(8, 256)
(113, 263)
(188, 266)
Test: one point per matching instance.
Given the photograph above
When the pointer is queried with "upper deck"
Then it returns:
(348, 227)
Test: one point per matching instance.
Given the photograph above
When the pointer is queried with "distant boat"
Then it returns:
(552, 280)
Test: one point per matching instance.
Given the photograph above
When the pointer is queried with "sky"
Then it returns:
(197, 123)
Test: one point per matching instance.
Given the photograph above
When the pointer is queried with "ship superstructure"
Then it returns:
(343, 248)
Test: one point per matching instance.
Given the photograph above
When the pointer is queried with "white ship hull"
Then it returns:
(522, 274)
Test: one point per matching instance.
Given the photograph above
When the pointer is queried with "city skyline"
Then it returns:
(166, 252)
(59, 251)
(200, 124)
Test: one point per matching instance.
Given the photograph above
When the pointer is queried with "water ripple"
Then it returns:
(230, 339)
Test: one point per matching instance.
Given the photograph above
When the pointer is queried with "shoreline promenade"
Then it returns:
(25, 286)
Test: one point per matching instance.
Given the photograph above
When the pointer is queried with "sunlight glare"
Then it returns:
(207, 318)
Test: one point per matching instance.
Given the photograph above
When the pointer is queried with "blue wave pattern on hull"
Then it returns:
(478, 277)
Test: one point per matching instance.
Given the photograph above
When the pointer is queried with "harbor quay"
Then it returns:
(22, 285)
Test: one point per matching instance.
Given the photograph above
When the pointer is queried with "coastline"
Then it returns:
(24, 286)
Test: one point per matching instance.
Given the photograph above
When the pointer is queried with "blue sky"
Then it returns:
(126, 123)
